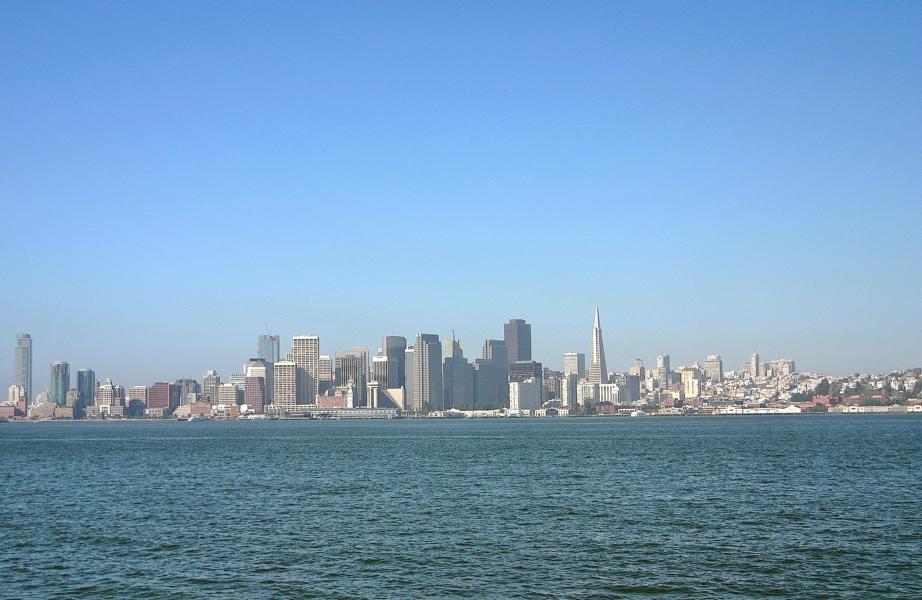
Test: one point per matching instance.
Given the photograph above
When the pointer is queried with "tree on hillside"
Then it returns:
(798, 397)
(822, 388)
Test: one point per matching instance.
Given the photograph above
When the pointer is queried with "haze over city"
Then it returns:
(179, 178)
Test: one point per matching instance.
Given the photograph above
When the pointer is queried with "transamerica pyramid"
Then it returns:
(598, 373)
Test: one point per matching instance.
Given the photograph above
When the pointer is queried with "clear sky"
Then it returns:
(716, 176)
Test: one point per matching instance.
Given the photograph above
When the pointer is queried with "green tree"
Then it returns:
(822, 389)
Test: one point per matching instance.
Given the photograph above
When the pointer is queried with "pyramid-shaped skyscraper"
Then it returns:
(598, 372)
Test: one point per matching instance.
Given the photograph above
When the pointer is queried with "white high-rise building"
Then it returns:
(638, 370)
(598, 372)
(754, 364)
(228, 394)
(610, 392)
(782, 367)
(107, 394)
(568, 387)
(427, 373)
(325, 374)
(305, 353)
(285, 385)
(453, 347)
(574, 363)
(663, 371)
(409, 360)
(586, 392)
(15, 393)
(714, 368)
(525, 395)
(138, 392)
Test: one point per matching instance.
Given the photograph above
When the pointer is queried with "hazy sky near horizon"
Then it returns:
(718, 177)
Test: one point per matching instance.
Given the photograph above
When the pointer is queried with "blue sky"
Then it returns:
(717, 177)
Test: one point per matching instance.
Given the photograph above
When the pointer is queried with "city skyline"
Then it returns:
(701, 175)
(440, 381)
(469, 299)
(308, 351)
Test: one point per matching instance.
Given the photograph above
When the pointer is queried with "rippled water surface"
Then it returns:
(825, 506)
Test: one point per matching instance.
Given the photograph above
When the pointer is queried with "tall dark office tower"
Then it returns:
(409, 361)
(379, 372)
(60, 382)
(210, 384)
(184, 387)
(491, 376)
(517, 335)
(86, 387)
(496, 351)
(352, 367)
(427, 373)
(457, 378)
(714, 368)
(269, 348)
(552, 381)
(632, 384)
(394, 348)
(488, 385)
(22, 372)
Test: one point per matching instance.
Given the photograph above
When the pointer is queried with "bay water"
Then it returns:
(727, 507)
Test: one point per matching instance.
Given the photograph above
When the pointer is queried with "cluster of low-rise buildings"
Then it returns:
(429, 378)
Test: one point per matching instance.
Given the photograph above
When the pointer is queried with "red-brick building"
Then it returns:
(160, 395)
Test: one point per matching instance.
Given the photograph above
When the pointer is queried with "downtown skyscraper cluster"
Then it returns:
(418, 376)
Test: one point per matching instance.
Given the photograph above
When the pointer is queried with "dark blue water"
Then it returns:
(825, 506)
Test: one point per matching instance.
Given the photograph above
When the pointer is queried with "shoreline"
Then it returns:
(478, 418)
